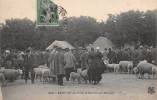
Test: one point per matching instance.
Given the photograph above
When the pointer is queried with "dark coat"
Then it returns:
(95, 60)
(84, 60)
(28, 61)
(59, 63)
(149, 57)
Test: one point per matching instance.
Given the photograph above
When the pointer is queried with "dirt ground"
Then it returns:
(112, 86)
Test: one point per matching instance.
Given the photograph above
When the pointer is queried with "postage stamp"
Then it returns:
(47, 13)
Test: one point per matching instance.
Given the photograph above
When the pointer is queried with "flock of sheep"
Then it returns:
(43, 73)
(140, 70)
(9, 75)
(143, 67)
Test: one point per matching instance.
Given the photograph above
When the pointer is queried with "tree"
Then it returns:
(17, 34)
(129, 27)
(132, 27)
(82, 30)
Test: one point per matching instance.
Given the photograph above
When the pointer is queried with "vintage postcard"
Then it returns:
(78, 49)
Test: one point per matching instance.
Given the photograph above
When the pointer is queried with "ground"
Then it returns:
(112, 85)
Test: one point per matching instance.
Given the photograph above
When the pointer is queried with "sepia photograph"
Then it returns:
(78, 49)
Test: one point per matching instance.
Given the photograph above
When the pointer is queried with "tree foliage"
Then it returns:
(129, 27)
(132, 27)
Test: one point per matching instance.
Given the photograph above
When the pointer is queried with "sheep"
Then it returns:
(75, 76)
(84, 75)
(144, 67)
(43, 72)
(126, 66)
(11, 74)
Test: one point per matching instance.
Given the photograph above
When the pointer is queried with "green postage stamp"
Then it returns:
(47, 13)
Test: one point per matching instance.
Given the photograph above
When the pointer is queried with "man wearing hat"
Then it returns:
(59, 65)
(27, 64)
(70, 62)
(8, 59)
(84, 59)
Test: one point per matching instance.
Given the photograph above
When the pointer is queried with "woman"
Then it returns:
(96, 65)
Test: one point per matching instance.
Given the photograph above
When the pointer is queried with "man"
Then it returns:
(141, 53)
(135, 56)
(33, 65)
(8, 59)
(1, 60)
(119, 55)
(100, 66)
(149, 56)
(76, 53)
(105, 54)
(111, 56)
(70, 62)
(59, 65)
(28, 62)
(130, 52)
(51, 62)
(126, 54)
(92, 65)
(84, 59)
(20, 59)
(32, 75)
(26, 65)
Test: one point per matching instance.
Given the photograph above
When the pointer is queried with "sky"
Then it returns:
(98, 9)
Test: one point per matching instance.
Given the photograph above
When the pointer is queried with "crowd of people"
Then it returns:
(64, 61)
(135, 55)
